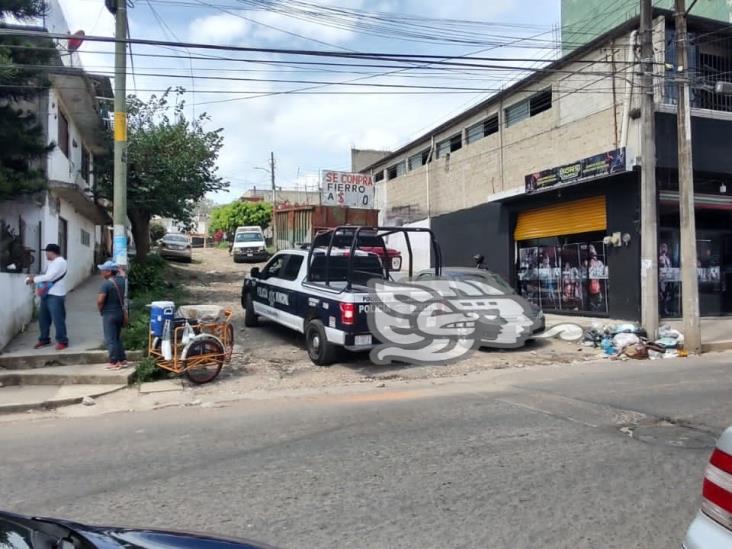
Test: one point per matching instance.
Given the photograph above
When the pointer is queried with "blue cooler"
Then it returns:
(160, 311)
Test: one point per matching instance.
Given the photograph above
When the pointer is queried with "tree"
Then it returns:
(230, 216)
(22, 143)
(157, 231)
(171, 163)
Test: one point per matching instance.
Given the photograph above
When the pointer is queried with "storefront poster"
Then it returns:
(599, 165)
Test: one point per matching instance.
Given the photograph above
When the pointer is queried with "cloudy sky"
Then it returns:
(310, 132)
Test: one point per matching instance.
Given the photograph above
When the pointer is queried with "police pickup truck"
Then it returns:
(321, 292)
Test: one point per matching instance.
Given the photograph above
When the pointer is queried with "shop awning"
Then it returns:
(574, 217)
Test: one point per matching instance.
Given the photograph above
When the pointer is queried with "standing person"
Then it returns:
(51, 288)
(112, 307)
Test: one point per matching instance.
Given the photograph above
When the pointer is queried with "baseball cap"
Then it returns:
(108, 265)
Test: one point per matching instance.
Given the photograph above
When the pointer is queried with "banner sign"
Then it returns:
(599, 165)
(356, 190)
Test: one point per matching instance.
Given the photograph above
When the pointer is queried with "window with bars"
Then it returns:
(451, 144)
(419, 159)
(379, 176)
(85, 238)
(396, 170)
(531, 106)
(482, 129)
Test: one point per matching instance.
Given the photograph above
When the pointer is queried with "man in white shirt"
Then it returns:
(53, 301)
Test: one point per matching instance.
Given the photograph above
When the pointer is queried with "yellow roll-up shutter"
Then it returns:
(578, 216)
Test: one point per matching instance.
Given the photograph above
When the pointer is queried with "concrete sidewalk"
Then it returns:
(716, 331)
(83, 324)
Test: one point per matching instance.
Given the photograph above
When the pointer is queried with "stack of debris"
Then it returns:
(629, 340)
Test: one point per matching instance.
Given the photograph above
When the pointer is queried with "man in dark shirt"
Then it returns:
(111, 303)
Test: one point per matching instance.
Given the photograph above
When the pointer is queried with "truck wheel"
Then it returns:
(250, 317)
(320, 350)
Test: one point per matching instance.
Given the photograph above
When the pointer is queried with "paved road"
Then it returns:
(526, 458)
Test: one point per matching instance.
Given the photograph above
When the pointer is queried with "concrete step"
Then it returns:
(78, 374)
(21, 398)
(31, 359)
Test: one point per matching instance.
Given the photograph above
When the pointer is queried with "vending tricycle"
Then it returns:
(196, 341)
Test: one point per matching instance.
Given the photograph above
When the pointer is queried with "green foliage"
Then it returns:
(147, 370)
(223, 245)
(157, 231)
(22, 143)
(230, 216)
(147, 273)
(148, 283)
(171, 163)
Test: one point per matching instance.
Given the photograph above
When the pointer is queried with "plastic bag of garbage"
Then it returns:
(623, 340)
(188, 333)
(565, 332)
(667, 342)
(637, 351)
(607, 347)
(665, 331)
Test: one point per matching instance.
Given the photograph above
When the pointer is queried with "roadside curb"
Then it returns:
(50, 404)
(717, 346)
(32, 361)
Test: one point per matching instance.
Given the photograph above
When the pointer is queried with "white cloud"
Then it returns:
(222, 28)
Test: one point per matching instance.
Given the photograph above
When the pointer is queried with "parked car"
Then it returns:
(497, 283)
(18, 531)
(249, 245)
(712, 526)
(176, 246)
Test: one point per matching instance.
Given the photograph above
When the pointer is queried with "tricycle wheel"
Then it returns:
(321, 351)
(204, 359)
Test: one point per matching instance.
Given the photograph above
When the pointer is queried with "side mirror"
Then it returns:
(254, 272)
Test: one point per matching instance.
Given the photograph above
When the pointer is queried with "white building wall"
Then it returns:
(80, 256)
(17, 309)
(17, 297)
(61, 167)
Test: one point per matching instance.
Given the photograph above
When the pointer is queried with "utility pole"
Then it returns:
(649, 214)
(274, 199)
(689, 277)
(120, 135)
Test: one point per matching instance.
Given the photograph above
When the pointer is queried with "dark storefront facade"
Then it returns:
(551, 245)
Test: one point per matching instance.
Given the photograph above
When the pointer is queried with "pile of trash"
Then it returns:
(630, 340)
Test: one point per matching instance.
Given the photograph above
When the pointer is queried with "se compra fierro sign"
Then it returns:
(600, 165)
(347, 189)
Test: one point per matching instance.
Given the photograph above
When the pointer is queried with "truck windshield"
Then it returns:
(365, 267)
(248, 237)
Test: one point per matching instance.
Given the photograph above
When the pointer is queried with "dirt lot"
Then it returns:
(273, 357)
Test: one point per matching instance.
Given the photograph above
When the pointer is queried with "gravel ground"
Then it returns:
(271, 356)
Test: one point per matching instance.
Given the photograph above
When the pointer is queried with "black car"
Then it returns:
(23, 532)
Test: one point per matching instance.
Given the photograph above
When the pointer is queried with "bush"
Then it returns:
(147, 274)
(157, 231)
(147, 279)
(147, 370)
(223, 246)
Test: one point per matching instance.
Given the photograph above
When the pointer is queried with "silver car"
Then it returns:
(176, 246)
(712, 527)
(500, 287)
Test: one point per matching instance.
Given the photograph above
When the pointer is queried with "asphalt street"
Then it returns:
(608, 455)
